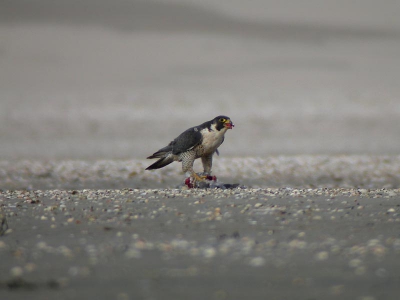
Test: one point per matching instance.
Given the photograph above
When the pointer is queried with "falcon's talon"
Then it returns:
(201, 141)
(197, 177)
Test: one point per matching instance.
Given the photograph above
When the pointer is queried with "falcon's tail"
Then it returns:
(162, 162)
(163, 152)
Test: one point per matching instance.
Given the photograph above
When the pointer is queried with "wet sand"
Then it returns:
(152, 241)
(201, 244)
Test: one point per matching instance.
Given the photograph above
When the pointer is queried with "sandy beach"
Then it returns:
(314, 237)
(201, 244)
(89, 89)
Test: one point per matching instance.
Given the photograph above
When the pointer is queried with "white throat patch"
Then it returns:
(213, 138)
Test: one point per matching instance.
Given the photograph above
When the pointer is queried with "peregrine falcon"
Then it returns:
(199, 141)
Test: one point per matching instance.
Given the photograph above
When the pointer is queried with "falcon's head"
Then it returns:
(223, 122)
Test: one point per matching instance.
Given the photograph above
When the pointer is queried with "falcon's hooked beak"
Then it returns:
(228, 124)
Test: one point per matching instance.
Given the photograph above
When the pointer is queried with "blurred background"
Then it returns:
(119, 79)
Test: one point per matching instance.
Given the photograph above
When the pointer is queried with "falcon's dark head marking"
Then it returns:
(222, 122)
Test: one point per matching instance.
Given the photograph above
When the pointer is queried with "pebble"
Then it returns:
(301, 234)
(209, 252)
(30, 267)
(323, 255)
(297, 244)
(3, 245)
(133, 253)
(16, 272)
(354, 263)
(257, 261)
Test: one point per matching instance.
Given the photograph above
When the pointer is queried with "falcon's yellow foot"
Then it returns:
(197, 177)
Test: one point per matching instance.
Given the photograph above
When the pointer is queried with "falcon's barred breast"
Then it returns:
(200, 141)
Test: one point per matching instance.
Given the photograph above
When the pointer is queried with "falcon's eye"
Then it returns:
(222, 120)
